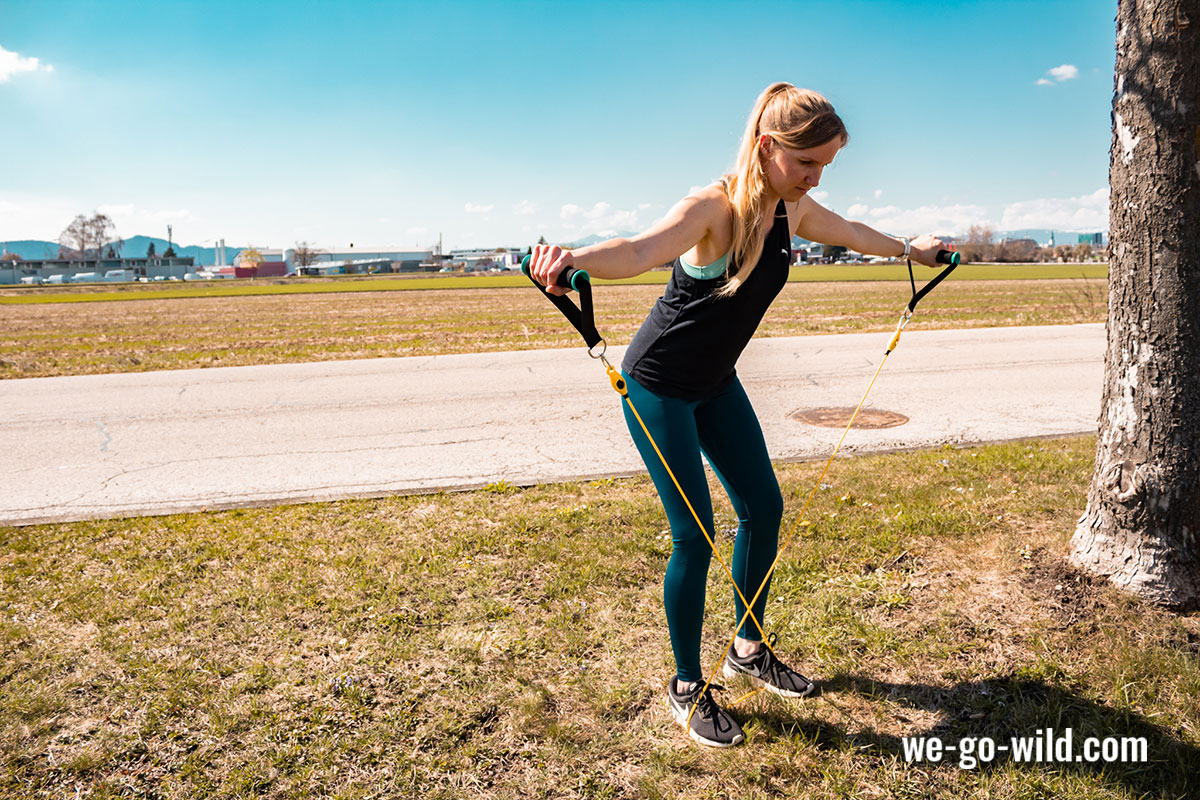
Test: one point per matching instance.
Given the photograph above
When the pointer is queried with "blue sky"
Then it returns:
(385, 123)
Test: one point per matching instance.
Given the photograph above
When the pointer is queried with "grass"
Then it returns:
(93, 293)
(510, 643)
(41, 340)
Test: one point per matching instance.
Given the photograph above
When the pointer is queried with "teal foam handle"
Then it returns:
(567, 279)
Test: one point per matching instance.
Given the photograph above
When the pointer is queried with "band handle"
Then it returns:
(943, 257)
(581, 317)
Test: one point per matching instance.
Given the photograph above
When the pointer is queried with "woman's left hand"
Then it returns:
(924, 249)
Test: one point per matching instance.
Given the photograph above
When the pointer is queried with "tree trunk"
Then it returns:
(1143, 507)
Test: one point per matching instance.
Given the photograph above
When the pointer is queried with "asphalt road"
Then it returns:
(184, 440)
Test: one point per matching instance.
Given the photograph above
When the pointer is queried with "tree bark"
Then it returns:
(1143, 507)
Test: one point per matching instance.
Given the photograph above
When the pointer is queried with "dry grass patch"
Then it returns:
(102, 337)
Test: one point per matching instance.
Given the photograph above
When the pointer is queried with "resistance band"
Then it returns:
(583, 319)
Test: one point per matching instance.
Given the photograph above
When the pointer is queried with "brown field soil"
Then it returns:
(41, 340)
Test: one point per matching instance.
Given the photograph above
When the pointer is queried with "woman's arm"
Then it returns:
(819, 224)
(688, 221)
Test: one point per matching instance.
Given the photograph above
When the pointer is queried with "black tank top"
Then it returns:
(690, 342)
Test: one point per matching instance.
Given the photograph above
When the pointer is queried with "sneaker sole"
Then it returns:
(730, 672)
(680, 715)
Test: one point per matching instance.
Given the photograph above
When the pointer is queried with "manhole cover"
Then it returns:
(868, 418)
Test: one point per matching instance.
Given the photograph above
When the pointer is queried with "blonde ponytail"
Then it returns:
(794, 118)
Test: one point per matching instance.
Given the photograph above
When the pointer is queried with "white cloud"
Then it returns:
(947, 220)
(11, 63)
(25, 216)
(132, 220)
(601, 218)
(1062, 73)
(416, 231)
(524, 208)
(476, 208)
(1065, 73)
(819, 196)
(1086, 213)
(878, 193)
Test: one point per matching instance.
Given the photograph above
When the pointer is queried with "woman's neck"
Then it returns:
(768, 202)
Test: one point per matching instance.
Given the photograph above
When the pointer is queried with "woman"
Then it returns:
(730, 244)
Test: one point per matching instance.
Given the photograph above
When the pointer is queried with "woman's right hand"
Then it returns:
(547, 261)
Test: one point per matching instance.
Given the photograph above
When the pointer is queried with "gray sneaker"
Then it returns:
(710, 724)
(768, 671)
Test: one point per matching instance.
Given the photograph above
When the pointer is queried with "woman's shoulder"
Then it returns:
(712, 195)
(714, 203)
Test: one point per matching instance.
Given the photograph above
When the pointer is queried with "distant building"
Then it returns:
(265, 269)
(1094, 239)
(398, 260)
(482, 259)
(365, 266)
(75, 270)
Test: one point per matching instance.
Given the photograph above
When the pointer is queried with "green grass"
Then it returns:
(244, 288)
(510, 643)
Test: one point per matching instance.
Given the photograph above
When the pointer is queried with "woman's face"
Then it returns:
(793, 173)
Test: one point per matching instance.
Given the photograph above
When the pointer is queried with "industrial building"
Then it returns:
(87, 270)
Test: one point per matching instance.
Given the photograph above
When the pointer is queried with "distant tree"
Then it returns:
(978, 244)
(150, 251)
(833, 251)
(85, 236)
(1143, 507)
(305, 255)
(111, 253)
(9, 258)
(75, 238)
(250, 258)
(1082, 252)
(1000, 253)
(170, 252)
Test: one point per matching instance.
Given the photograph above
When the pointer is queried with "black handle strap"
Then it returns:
(581, 316)
(943, 257)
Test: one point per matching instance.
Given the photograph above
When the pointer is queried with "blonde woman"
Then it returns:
(730, 244)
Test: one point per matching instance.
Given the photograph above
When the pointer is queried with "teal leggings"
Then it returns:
(725, 429)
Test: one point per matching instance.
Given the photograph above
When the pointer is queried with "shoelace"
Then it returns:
(707, 707)
(775, 669)
(778, 671)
